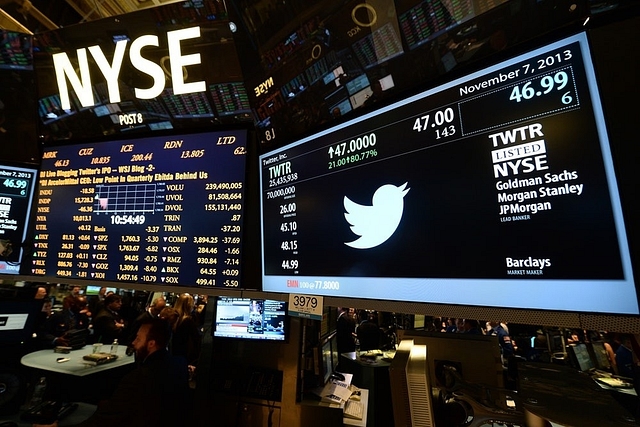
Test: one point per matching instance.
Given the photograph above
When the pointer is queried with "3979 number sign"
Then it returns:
(305, 306)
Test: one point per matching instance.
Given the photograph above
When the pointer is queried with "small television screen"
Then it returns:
(95, 290)
(258, 319)
(163, 209)
(16, 197)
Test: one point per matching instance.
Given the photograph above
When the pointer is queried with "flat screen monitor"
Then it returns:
(333, 75)
(16, 197)
(327, 360)
(95, 290)
(335, 356)
(495, 189)
(344, 107)
(161, 209)
(253, 319)
(599, 352)
(581, 357)
(357, 84)
(17, 320)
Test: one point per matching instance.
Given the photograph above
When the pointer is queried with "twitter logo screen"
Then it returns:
(375, 223)
(434, 199)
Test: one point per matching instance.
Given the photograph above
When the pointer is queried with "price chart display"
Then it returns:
(162, 210)
(16, 195)
(496, 189)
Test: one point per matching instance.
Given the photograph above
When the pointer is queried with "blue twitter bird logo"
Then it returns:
(376, 223)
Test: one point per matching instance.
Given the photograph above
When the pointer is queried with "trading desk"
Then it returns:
(47, 360)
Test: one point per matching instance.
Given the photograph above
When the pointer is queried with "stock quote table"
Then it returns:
(164, 210)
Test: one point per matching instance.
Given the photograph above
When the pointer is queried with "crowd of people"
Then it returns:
(164, 335)
(108, 316)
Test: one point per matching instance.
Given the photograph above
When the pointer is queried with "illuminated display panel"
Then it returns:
(495, 189)
(15, 51)
(230, 98)
(188, 105)
(16, 195)
(379, 46)
(198, 33)
(163, 209)
(245, 318)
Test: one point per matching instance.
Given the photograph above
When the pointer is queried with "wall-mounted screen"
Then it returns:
(259, 319)
(496, 189)
(15, 51)
(162, 209)
(16, 196)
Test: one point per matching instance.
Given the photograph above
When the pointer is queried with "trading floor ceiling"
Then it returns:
(34, 16)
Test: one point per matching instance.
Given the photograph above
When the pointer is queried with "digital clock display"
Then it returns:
(495, 189)
(162, 210)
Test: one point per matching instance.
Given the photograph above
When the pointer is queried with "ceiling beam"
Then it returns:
(26, 7)
(9, 23)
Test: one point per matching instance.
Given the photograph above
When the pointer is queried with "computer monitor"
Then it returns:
(581, 357)
(599, 354)
(326, 360)
(335, 356)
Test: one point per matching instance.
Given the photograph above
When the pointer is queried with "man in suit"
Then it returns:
(55, 328)
(108, 324)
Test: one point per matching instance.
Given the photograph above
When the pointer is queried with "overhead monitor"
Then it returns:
(253, 319)
(162, 210)
(16, 196)
(496, 189)
(16, 51)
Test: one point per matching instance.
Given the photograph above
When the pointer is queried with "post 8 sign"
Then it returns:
(81, 84)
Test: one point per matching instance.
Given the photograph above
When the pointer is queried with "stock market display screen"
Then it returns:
(164, 210)
(16, 196)
(494, 189)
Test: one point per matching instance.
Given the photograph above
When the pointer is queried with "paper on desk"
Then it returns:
(336, 391)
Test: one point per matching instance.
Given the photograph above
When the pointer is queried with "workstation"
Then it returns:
(196, 148)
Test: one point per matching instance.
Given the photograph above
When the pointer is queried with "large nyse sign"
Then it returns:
(81, 84)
